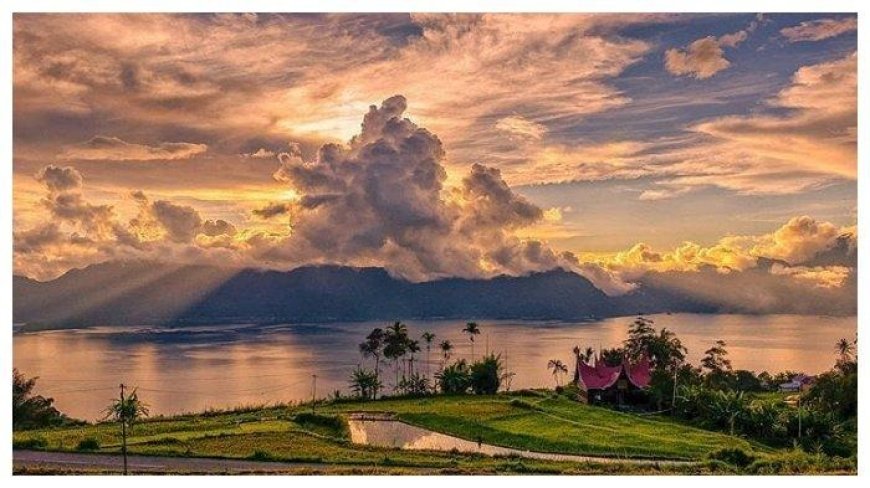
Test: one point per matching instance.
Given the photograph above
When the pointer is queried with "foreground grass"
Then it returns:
(547, 424)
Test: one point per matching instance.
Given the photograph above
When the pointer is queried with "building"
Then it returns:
(800, 382)
(625, 383)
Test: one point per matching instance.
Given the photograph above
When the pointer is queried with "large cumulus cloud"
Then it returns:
(382, 200)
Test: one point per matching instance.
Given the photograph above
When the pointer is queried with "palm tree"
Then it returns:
(127, 410)
(413, 348)
(446, 348)
(396, 345)
(845, 348)
(472, 330)
(558, 368)
(373, 347)
(427, 337)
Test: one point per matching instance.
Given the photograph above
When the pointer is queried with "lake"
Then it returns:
(189, 369)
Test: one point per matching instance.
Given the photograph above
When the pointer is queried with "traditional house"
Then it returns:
(800, 382)
(621, 384)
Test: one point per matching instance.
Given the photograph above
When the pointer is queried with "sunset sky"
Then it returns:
(437, 145)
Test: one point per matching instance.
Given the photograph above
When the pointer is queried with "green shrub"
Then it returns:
(332, 425)
(797, 461)
(31, 443)
(486, 375)
(455, 378)
(733, 456)
(260, 455)
(88, 444)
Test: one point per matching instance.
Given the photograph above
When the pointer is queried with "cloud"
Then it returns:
(799, 240)
(819, 276)
(705, 57)
(273, 209)
(382, 200)
(702, 59)
(820, 29)
(219, 227)
(261, 153)
(818, 134)
(791, 247)
(181, 222)
(59, 179)
(518, 126)
(100, 148)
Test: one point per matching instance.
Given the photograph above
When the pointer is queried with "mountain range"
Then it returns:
(154, 293)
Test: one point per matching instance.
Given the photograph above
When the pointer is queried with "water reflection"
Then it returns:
(190, 369)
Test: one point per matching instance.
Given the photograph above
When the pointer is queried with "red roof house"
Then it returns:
(601, 381)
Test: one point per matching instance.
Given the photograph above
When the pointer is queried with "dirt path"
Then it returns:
(151, 464)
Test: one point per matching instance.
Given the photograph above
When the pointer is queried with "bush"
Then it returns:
(334, 424)
(260, 455)
(455, 378)
(733, 456)
(800, 462)
(486, 375)
(88, 444)
(32, 443)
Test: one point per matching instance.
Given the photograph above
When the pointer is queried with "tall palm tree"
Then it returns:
(373, 347)
(413, 348)
(472, 329)
(446, 349)
(558, 368)
(428, 337)
(396, 345)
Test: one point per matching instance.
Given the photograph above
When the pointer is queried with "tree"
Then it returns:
(364, 383)
(446, 350)
(31, 411)
(455, 378)
(413, 348)
(127, 410)
(715, 359)
(486, 375)
(558, 368)
(613, 356)
(472, 329)
(373, 347)
(663, 348)
(396, 345)
(845, 348)
(427, 337)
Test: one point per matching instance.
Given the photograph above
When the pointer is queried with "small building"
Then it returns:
(625, 383)
(799, 382)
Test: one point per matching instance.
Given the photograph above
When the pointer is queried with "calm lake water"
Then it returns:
(190, 369)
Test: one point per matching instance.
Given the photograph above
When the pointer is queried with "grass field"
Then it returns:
(547, 424)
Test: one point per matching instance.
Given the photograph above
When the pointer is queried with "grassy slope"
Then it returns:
(555, 425)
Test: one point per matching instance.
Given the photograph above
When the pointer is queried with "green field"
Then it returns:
(546, 423)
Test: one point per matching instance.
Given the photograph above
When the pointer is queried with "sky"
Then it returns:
(438, 145)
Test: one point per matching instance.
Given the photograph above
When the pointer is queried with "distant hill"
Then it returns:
(151, 293)
(154, 293)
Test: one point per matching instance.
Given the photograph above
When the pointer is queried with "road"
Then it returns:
(150, 464)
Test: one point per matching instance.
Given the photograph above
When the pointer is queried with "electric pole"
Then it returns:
(123, 429)
(313, 391)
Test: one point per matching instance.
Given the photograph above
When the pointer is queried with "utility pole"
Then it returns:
(674, 397)
(313, 391)
(123, 430)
